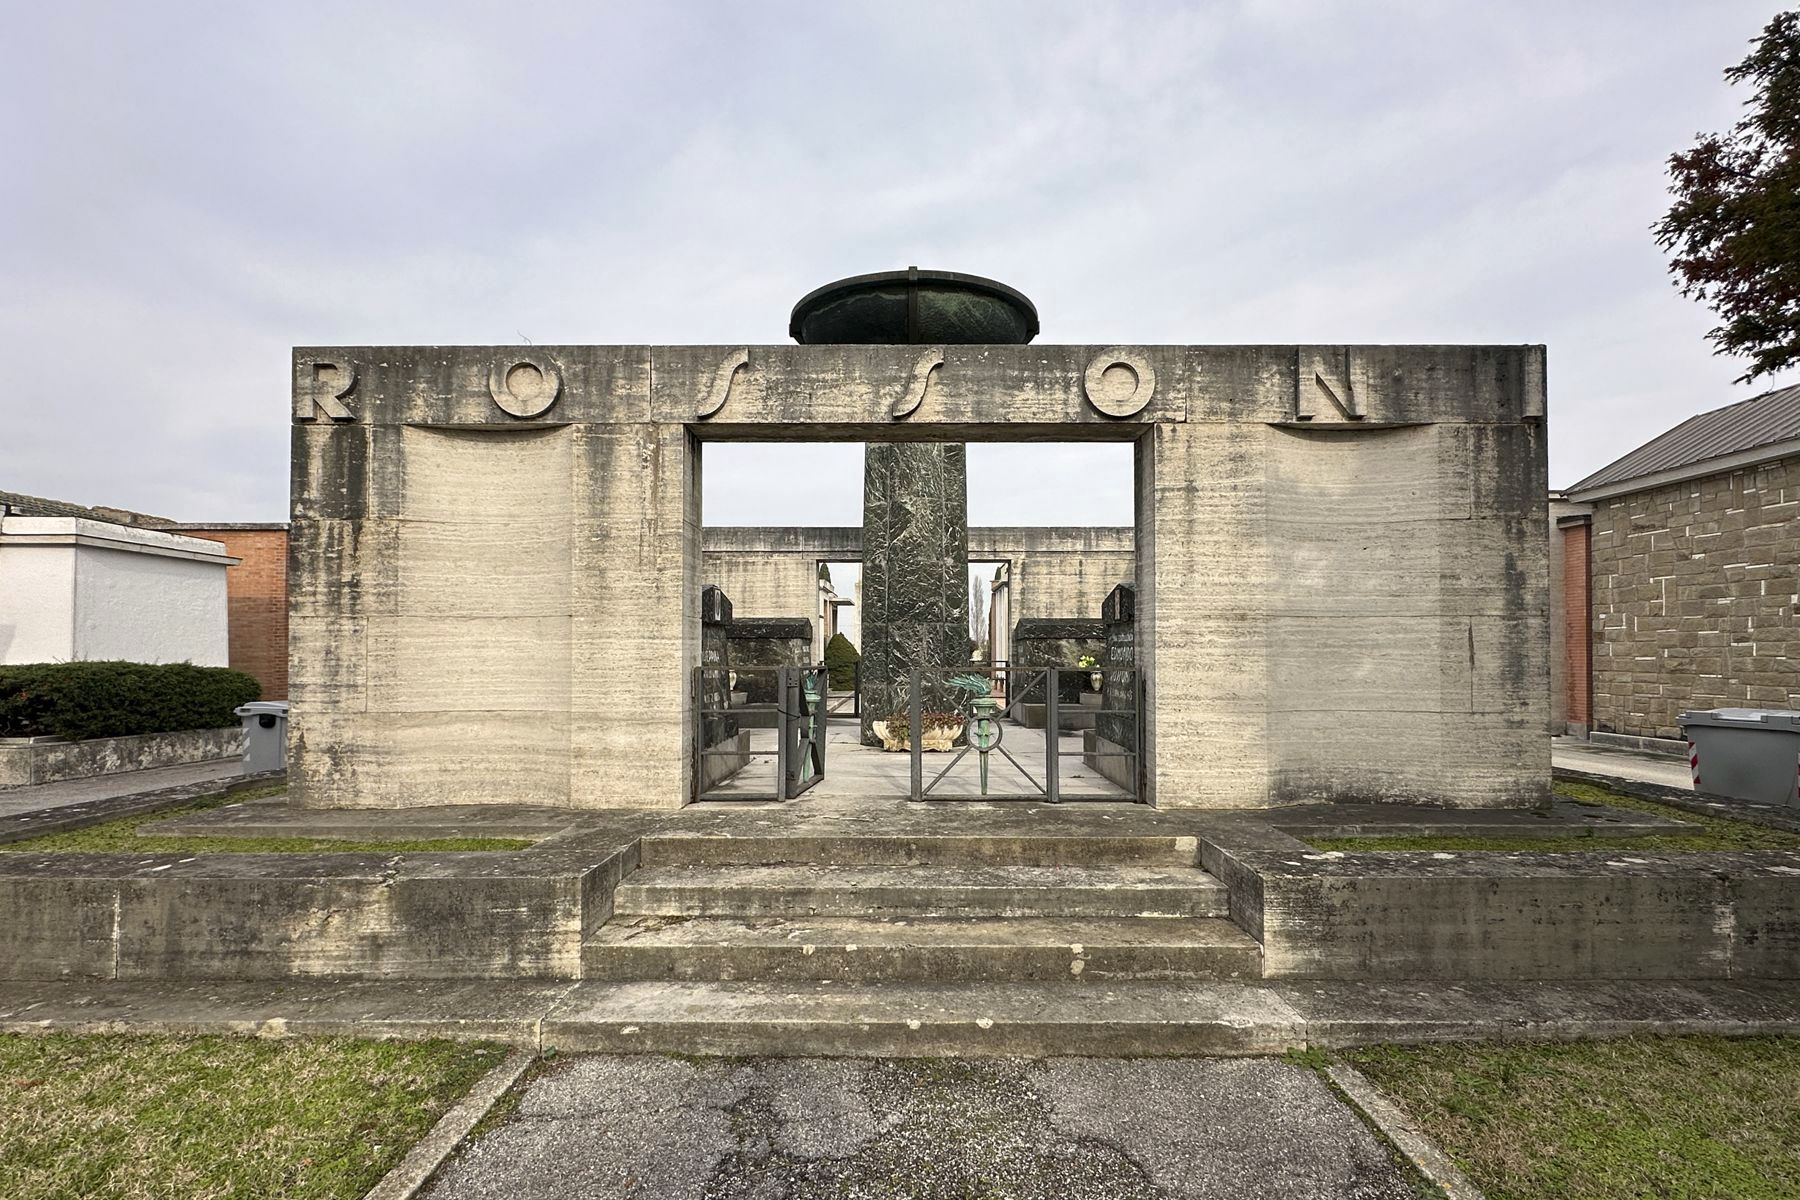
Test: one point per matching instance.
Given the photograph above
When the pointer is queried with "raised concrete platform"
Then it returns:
(544, 913)
(856, 1021)
(30, 812)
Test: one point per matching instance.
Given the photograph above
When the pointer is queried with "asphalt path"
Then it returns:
(1059, 1129)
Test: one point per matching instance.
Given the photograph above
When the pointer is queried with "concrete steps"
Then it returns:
(929, 850)
(946, 950)
(912, 1019)
(832, 890)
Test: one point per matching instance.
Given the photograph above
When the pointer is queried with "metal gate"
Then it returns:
(759, 732)
(1052, 714)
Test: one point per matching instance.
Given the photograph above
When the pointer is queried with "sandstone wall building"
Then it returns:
(1682, 561)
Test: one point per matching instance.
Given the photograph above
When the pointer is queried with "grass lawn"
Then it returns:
(1678, 1118)
(1713, 833)
(122, 837)
(144, 1117)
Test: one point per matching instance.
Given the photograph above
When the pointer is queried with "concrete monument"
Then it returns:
(1341, 573)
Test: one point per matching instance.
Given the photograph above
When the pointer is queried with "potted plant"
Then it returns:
(937, 730)
(1096, 677)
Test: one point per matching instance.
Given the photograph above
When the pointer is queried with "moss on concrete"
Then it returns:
(1710, 833)
(122, 837)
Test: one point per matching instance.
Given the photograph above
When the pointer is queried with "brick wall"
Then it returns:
(1576, 674)
(1694, 598)
(256, 599)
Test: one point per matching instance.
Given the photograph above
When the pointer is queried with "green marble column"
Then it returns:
(915, 590)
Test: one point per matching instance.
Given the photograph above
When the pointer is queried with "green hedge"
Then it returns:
(841, 658)
(79, 700)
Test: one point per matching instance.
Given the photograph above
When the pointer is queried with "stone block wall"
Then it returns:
(1694, 599)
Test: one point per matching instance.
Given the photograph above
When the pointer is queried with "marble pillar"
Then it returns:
(915, 574)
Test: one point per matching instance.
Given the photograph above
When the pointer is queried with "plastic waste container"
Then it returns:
(1748, 754)
(265, 735)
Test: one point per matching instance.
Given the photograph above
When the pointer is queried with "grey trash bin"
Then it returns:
(265, 735)
(1748, 754)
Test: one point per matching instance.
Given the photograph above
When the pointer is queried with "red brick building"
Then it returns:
(256, 598)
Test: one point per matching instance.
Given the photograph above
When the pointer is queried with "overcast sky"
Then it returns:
(193, 189)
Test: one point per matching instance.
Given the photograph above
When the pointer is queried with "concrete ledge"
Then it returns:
(23, 826)
(1688, 800)
(1111, 760)
(266, 916)
(28, 761)
(1612, 915)
(972, 1019)
(1563, 818)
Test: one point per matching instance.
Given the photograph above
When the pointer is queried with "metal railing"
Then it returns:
(786, 705)
(1118, 729)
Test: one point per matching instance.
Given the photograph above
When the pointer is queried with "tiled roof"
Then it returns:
(1760, 421)
(22, 505)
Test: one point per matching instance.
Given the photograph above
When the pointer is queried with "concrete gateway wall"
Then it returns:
(1056, 570)
(496, 562)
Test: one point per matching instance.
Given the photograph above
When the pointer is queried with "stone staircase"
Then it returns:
(954, 910)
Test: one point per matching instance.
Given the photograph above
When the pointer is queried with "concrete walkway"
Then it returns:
(1577, 754)
(1109, 1129)
(855, 773)
(44, 797)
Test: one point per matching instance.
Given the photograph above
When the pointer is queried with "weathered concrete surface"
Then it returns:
(1067, 1129)
(966, 1019)
(54, 807)
(276, 816)
(1685, 798)
(915, 588)
(1606, 915)
(985, 891)
(1054, 570)
(915, 949)
(1342, 587)
(1563, 818)
(25, 762)
(1610, 914)
(260, 916)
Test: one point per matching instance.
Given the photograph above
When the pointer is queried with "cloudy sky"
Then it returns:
(193, 189)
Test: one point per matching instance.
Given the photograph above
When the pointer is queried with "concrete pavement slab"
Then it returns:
(1192, 1129)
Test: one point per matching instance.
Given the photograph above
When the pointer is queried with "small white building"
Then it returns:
(76, 589)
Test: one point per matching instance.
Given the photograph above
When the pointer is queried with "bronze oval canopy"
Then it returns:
(912, 306)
